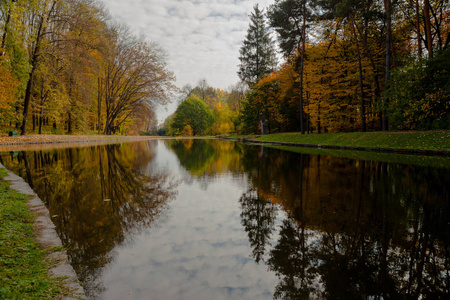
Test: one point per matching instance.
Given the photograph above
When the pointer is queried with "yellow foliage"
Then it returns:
(8, 85)
(222, 119)
(187, 131)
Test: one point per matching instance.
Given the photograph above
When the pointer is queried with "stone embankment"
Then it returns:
(47, 237)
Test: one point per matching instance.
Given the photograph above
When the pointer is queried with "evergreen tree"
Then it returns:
(257, 54)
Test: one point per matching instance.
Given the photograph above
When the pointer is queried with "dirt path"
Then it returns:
(40, 142)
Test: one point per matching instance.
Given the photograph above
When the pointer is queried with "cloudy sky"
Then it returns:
(201, 37)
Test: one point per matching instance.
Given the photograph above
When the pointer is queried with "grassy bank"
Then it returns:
(434, 141)
(23, 266)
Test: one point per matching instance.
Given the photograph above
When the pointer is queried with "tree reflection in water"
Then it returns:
(355, 229)
(327, 227)
(208, 158)
(98, 197)
(258, 218)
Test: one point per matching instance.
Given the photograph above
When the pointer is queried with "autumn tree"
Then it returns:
(357, 21)
(7, 92)
(339, 73)
(135, 74)
(262, 106)
(205, 92)
(83, 54)
(237, 95)
(223, 119)
(59, 51)
(42, 14)
(257, 53)
(289, 19)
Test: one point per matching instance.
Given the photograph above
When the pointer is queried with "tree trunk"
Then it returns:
(41, 117)
(5, 32)
(318, 119)
(302, 128)
(361, 87)
(428, 36)
(387, 8)
(264, 123)
(69, 124)
(34, 62)
(419, 37)
(26, 102)
(34, 120)
(99, 105)
(69, 121)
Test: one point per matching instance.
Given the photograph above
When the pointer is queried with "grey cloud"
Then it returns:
(202, 38)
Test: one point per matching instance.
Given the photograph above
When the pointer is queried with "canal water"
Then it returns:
(209, 219)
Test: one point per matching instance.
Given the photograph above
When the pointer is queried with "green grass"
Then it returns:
(435, 140)
(23, 264)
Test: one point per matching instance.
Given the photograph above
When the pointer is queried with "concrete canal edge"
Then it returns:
(48, 238)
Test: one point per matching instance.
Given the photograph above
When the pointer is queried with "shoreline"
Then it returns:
(42, 142)
(47, 238)
(442, 153)
(38, 142)
(424, 143)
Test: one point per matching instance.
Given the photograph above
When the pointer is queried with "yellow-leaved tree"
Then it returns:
(8, 86)
(222, 119)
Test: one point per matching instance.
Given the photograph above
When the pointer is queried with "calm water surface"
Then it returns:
(206, 219)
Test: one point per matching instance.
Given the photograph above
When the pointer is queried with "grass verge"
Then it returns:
(23, 265)
(434, 140)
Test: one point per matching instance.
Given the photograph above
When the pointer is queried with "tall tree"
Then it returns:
(257, 53)
(135, 74)
(289, 18)
(351, 11)
(388, 23)
(42, 15)
(6, 12)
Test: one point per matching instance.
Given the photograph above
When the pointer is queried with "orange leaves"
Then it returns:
(330, 91)
(8, 85)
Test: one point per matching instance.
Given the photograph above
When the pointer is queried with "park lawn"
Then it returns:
(23, 264)
(433, 140)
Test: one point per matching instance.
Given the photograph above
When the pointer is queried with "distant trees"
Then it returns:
(257, 54)
(205, 92)
(225, 107)
(193, 117)
(73, 70)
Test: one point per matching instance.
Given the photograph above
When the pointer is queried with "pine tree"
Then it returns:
(257, 54)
